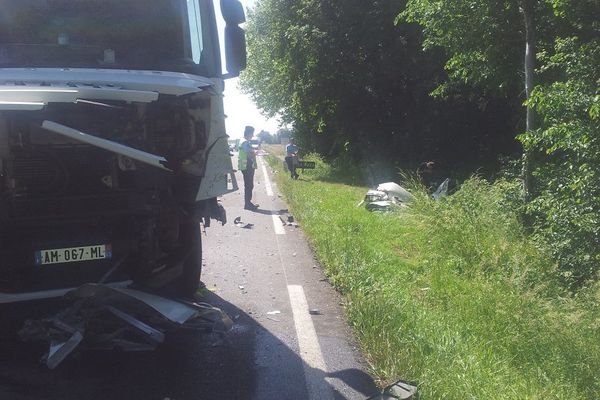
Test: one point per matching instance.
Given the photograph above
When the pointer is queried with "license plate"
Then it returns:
(73, 254)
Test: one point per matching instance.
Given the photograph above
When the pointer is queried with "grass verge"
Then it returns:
(452, 295)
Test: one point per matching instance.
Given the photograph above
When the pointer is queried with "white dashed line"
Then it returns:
(267, 180)
(315, 369)
(278, 225)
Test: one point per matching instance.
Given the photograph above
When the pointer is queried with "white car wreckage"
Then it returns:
(388, 196)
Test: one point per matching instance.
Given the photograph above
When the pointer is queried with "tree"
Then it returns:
(567, 144)
(562, 153)
(481, 38)
(356, 85)
(265, 137)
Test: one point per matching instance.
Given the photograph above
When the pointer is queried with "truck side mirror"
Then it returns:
(233, 12)
(235, 50)
(235, 37)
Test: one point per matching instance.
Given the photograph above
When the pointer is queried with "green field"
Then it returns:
(452, 295)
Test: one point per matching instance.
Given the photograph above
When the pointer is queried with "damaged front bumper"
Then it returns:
(107, 317)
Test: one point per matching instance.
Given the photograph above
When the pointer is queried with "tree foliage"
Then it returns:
(479, 41)
(568, 143)
(357, 85)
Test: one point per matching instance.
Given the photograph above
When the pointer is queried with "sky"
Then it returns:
(239, 108)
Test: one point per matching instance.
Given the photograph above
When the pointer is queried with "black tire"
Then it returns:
(189, 281)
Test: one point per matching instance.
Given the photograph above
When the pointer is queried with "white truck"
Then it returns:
(113, 147)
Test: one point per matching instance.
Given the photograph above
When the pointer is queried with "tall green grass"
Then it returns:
(453, 294)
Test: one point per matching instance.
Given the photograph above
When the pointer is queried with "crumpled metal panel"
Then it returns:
(103, 317)
(219, 176)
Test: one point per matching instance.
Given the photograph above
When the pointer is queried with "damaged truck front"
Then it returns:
(113, 148)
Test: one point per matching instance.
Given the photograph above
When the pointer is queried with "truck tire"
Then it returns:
(189, 281)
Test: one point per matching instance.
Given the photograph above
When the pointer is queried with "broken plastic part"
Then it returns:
(103, 318)
(398, 390)
(442, 190)
(118, 148)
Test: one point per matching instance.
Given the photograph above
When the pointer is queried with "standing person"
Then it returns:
(292, 157)
(247, 164)
(425, 173)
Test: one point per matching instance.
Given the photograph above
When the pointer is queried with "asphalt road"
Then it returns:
(289, 341)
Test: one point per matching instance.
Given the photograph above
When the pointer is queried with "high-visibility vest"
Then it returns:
(243, 157)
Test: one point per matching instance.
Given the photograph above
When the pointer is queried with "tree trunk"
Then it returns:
(527, 8)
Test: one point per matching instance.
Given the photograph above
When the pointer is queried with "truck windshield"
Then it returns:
(165, 35)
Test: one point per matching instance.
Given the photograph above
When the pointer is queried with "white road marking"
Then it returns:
(315, 369)
(267, 180)
(313, 363)
(278, 225)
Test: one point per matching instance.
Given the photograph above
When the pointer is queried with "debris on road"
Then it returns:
(315, 311)
(287, 219)
(398, 390)
(275, 312)
(106, 318)
(238, 222)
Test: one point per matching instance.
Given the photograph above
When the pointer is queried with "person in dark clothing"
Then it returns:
(425, 173)
(291, 158)
(247, 164)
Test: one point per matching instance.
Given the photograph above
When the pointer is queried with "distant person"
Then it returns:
(425, 173)
(291, 158)
(247, 164)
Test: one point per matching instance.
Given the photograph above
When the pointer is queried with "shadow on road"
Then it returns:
(250, 363)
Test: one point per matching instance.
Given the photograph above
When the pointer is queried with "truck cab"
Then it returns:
(112, 142)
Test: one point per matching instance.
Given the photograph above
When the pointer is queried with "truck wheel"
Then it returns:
(189, 281)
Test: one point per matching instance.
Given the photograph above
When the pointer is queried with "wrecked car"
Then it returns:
(113, 148)
(386, 196)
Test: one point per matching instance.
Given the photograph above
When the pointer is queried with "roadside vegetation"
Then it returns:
(494, 291)
(453, 295)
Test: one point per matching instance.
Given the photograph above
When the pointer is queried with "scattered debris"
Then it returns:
(398, 390)
(238, 222)
(315, 311)
(442, 190)
(287, 219)
(103, 317)
(241, 287)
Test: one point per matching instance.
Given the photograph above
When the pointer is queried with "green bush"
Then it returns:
(566, 211)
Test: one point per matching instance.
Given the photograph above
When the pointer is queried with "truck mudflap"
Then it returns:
(101, 317)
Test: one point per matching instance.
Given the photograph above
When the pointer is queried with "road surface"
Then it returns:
(289, 341)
